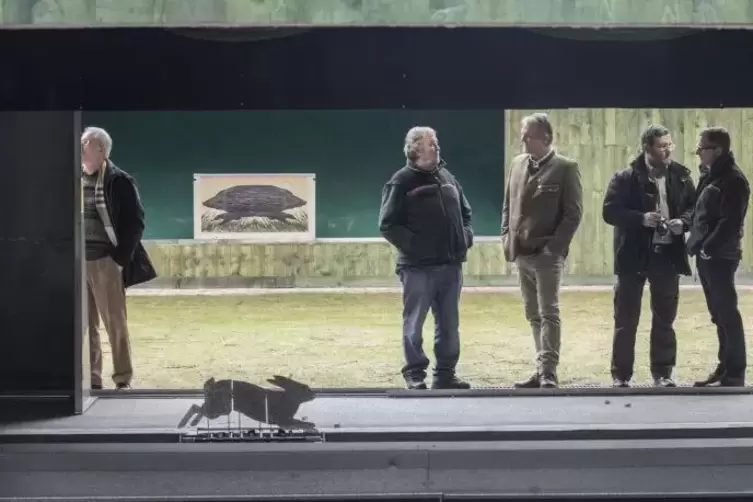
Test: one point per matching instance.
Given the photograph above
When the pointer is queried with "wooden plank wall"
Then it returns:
(602, 140)
(321, 264)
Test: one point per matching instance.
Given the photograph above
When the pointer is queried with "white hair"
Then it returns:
(100, 136)
(415, 135)
(542, 123)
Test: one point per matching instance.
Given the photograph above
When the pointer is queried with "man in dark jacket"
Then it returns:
(650, 204)
(115, 258)
(715, 235)
(425, 215)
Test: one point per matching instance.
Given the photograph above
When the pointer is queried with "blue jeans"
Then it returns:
(437, 288)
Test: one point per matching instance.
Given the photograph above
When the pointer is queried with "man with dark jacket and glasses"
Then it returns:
(649, 204)
(715, 240)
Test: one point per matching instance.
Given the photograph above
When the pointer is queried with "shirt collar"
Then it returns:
(535, 164)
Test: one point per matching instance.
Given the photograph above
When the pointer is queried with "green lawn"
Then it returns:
(336, 340)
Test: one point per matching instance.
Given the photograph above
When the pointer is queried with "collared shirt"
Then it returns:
(662, 206)
(534, 165)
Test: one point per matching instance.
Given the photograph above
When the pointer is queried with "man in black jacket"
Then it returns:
(650, 204)
(715, 235)
(115, 258)
(425, 215)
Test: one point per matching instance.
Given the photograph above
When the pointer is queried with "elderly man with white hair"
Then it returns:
(425, 215)
(115, 258)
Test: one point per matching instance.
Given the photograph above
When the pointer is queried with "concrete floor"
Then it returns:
(525, 465)
(388, 414)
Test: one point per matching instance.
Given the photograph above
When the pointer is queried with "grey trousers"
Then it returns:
(540, 286)
(437, 288)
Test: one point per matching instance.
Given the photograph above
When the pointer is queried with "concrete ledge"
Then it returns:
(523, 470)
(340, 263)
(370, 290)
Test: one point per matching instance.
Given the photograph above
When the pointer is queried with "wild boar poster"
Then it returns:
(255, 207)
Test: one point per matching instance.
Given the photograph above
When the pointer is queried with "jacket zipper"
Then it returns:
(450, 251)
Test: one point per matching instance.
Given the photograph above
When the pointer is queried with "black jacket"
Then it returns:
(127, 217)
(426, 217)
(722, 202)
(629, 196)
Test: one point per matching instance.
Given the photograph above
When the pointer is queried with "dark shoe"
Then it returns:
(664, 382)
(415, 383)
(619, 383)
(449, 383)
(96, 386)
(533, 382)
(547, 381)
(714, 379)
(122, 386)
(728, 381)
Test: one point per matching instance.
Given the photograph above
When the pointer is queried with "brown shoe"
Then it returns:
(533, 382)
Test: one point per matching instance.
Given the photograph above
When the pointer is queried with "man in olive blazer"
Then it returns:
(542, 210)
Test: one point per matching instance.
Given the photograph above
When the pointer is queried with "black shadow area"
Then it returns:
(373, 68)
(270, 407)
(41, 274)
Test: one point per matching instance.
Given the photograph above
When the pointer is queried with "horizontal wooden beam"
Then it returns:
(540, 13)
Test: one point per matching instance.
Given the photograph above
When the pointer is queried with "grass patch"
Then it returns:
(353, 340)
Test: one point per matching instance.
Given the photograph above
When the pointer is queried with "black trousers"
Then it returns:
(718, 281)
(664, 286)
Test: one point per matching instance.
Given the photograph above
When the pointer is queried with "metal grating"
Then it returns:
(574, 391)
(251, 435)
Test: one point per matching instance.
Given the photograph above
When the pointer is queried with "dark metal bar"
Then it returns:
(572, 391)
(199, 394)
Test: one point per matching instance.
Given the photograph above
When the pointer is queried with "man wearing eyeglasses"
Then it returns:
(715, 240)
(649, 204)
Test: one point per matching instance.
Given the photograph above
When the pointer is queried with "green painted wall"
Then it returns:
(375, 12)
(602, 139)
(352, 153)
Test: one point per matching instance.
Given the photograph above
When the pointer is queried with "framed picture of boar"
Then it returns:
(255, 207)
